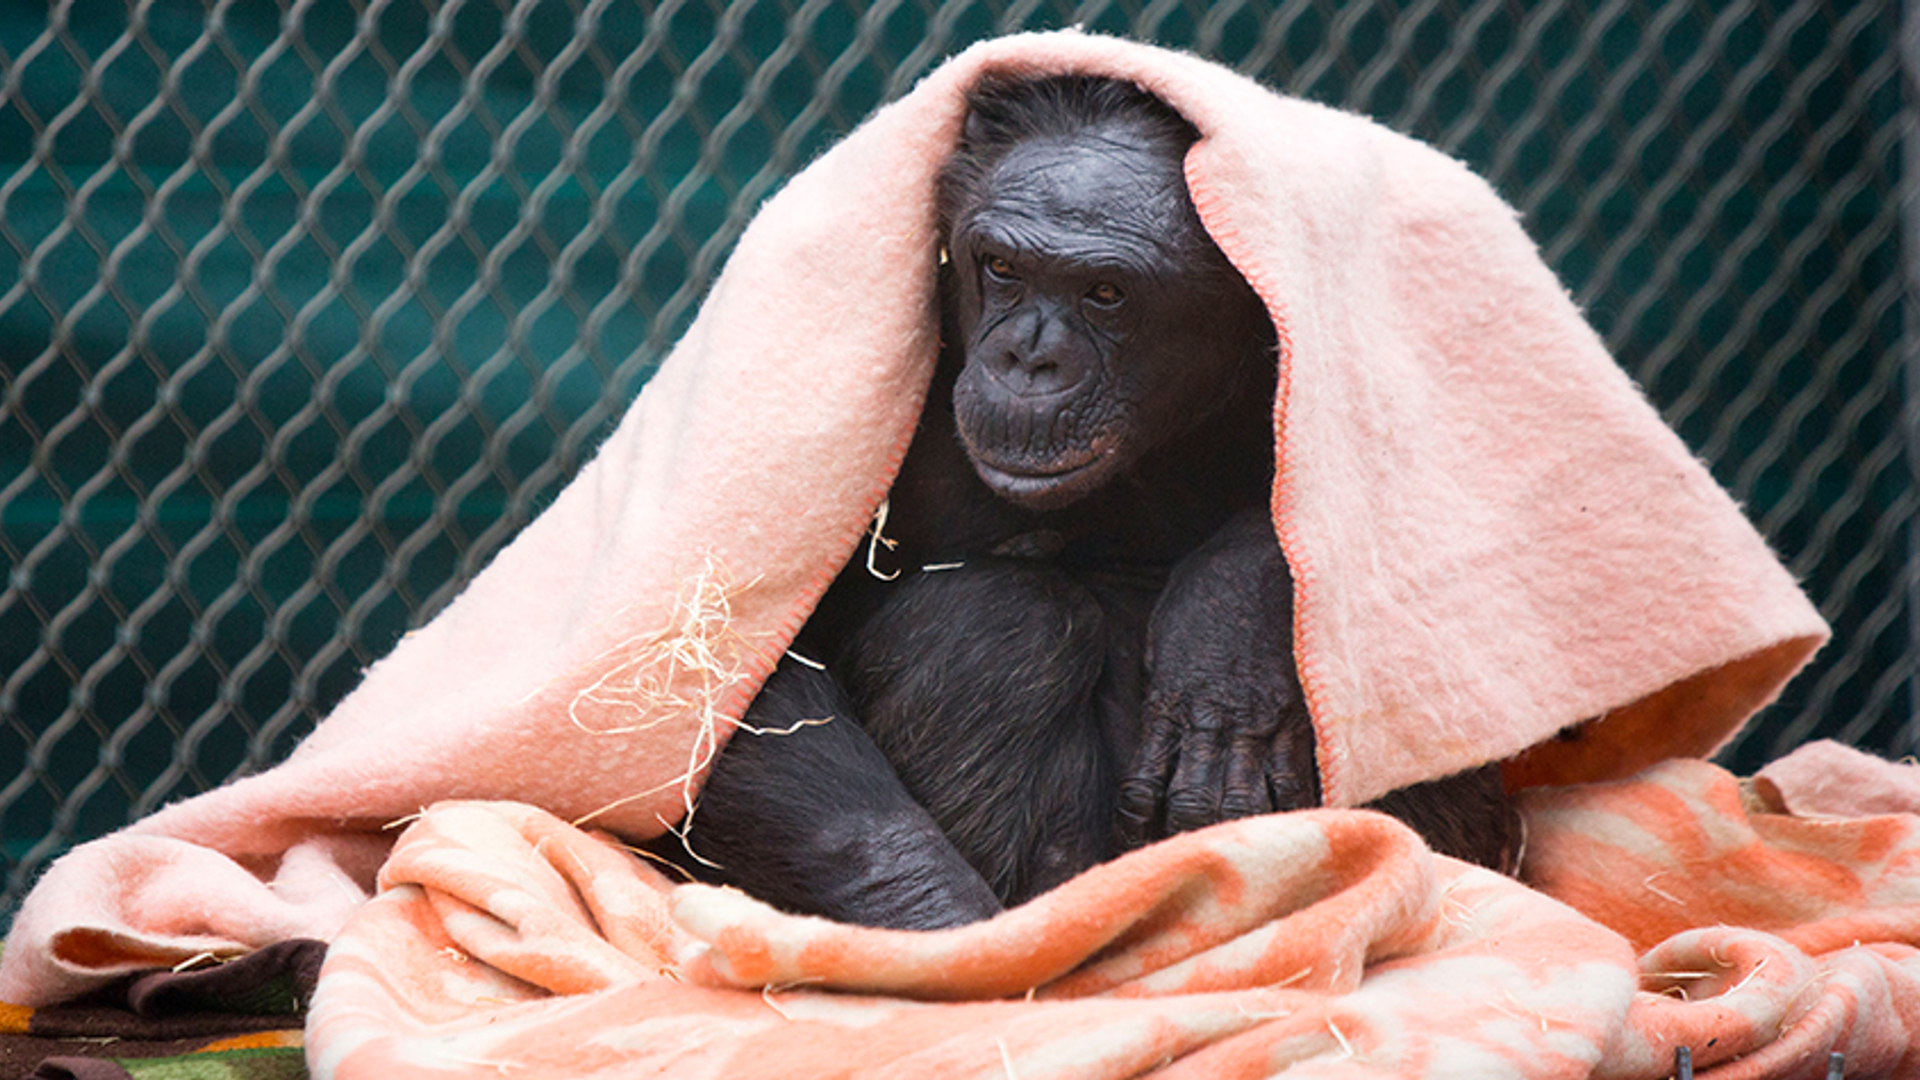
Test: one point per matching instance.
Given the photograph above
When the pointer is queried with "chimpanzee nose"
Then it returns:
(1040, 354)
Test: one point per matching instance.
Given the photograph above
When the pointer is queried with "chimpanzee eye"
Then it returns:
(1106, 294)
(1000, 269)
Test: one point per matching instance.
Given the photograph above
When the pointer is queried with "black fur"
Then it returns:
(1088, 643)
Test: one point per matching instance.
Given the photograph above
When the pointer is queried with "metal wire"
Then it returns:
(307, 306)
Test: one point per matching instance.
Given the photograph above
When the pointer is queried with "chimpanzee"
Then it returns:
(1071, 632)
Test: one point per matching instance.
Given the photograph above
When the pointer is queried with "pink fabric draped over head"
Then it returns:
(1494, 536)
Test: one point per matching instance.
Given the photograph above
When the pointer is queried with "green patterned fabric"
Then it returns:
(278, 1063)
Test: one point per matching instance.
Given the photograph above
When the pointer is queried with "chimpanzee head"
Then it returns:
(1097, 320)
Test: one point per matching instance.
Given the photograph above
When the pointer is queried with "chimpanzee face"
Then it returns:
(1096, 316)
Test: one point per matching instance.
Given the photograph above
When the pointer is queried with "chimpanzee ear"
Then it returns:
(977, 129)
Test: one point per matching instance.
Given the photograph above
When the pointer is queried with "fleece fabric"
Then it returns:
(1668, 910)
(1499, 550)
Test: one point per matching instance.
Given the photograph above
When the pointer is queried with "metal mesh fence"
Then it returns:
(307, 305)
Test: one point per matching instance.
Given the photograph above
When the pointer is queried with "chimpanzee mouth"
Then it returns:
(1040, 459)
(1043, 488)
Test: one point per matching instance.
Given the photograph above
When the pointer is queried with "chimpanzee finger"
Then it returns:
(1246, 792)
(1293, 772)
(1143, 790)
(1193, 797)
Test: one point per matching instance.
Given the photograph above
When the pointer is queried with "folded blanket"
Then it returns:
(219, 1021)
(1329, 943)
(1494, 540)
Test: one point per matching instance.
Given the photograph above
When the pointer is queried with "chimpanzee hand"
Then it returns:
(1227, 732)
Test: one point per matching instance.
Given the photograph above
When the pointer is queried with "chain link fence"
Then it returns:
(307, 305)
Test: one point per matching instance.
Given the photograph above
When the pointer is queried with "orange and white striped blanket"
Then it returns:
(1678, 908)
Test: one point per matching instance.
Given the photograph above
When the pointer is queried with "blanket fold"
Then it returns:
(1328, 942)
(1278, 939)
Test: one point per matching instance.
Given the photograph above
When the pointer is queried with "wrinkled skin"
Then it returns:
(1098, 651)
(1067, 312)
(1227, 735)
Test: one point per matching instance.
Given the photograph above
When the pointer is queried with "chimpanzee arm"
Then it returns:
(981, 684)
(1227, 730)
(810, 818)
(1467, 815)
(1228, 733)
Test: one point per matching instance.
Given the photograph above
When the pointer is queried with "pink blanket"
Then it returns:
(1494, 538)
